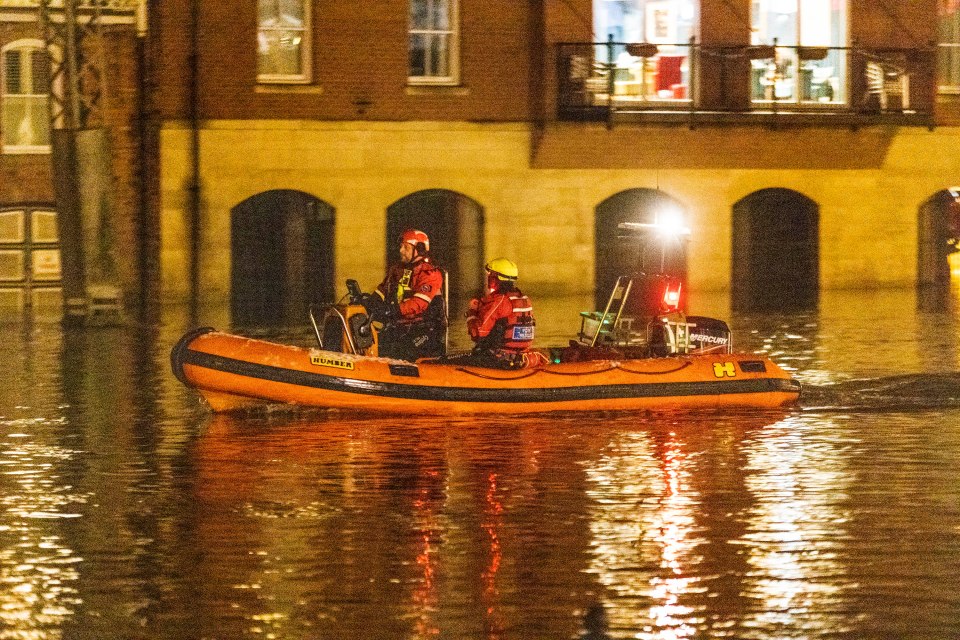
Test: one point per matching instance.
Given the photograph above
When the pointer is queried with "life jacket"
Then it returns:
(414, 287)
(519, 326)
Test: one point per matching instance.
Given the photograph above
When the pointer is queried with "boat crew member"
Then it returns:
(501, 323)
(409, 303)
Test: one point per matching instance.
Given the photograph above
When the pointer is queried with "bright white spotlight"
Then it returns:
(669, 222)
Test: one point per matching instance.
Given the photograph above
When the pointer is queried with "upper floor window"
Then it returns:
(659, 70)
(434, 42)
(948, 72)
(283, 41)
(25, 119)
(808, 64)
(662, 22)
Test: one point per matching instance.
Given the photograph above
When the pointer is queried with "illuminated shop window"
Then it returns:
(434, 42)
(948, 71)
(25, 120)
(283, 41)
(808, 64)
(658, 70)
(661, 22)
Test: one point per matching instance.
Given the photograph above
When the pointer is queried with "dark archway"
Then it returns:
(282, 257)
(454, 223)
(613, 258)
(938, 236)
(776, 252)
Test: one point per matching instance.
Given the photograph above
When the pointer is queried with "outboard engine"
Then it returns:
(708, 335)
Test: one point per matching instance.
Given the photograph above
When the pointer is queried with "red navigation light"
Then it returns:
(671, 296)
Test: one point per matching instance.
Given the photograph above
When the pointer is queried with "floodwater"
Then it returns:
(129, 511)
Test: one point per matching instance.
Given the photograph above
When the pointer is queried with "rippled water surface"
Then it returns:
(129, 511)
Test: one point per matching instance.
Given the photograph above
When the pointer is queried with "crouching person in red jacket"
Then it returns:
(501, 323)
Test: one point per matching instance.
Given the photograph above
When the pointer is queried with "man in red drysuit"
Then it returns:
(409, 302)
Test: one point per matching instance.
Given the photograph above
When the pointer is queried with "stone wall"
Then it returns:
(542, 217)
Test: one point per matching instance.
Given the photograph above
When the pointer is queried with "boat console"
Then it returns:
(644, 314)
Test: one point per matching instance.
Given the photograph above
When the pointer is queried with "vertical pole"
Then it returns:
(776, 74)
(64, 123)
(611, 71)
(693, 82)
(71, 59)
(143, 181)
(194, 186)
(103, 78)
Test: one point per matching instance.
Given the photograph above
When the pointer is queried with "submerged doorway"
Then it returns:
(612, 258)
(939, 237)
(454, 223)
(776, 252)
(281, 257)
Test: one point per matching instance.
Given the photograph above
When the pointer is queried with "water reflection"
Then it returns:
(653, 521)
(130, 512)
(795, 528)
(38, 568)
(648, 523)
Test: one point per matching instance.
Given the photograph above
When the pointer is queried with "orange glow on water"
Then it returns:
(493, 515)
(425, 598)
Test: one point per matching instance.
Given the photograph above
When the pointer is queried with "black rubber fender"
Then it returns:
(180, 349)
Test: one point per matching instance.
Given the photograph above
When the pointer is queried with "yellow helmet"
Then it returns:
(503, 268)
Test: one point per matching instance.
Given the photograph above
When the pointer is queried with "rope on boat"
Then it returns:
(481, 375)
(579, 373)
(655, 373)
(537, 370)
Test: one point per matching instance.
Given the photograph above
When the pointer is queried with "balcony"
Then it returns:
(695, 84)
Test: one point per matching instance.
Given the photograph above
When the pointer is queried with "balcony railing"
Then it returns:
(106, 5)
(847, 85)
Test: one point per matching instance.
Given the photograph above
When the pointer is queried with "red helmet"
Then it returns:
(415, 237)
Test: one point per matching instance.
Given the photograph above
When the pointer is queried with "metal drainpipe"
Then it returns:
(194, 187)
(611, 80)
(144, 78)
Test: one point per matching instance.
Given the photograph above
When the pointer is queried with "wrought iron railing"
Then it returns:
(620, 74)
(109, 5)
(596, 80)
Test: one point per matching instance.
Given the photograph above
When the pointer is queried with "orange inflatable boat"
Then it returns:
(233, 372)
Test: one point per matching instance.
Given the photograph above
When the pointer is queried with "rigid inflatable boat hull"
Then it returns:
(232, 372)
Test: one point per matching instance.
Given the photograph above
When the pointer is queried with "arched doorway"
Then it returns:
(939, 235)
(776, 252)
(454, 223)
(613, 258)
(281, 256)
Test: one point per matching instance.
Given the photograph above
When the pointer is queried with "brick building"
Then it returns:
(30, 234)
(809, 144)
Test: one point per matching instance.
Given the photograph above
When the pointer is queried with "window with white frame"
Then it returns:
(283, 41)
(809, 61)
(434, 36)
(25, 119)
(948, 71)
